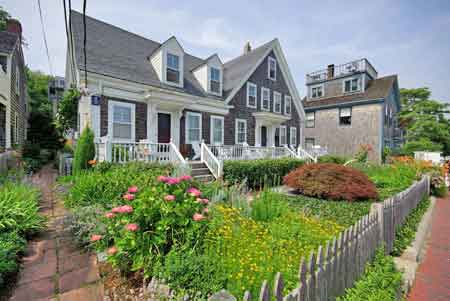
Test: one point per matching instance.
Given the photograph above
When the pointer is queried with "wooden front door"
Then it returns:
(263, 136)
(163, 128)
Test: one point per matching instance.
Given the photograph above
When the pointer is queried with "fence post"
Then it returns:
(379, 209)
(108, 149)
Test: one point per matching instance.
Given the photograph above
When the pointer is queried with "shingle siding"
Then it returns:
(18, 98)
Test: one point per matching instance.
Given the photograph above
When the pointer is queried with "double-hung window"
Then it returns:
(351, 85)
(193, 127)
(217, 129)
(277, 102)
(310, 119)
(241, 131)
(265, 99)
(293, 136)
(283, 138)
(251, 95)
(309, 143)
(122, 118)
(345, 116)
(317, 91)
(214, 80)
(272, 68)
(173, 68)
(287, 105)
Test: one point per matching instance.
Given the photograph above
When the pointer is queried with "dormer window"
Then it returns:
(272, 69)
(214, 83)
(173, 68)
(317, 91)
(351, 85)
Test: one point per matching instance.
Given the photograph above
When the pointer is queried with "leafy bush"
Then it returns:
(84, 222)
(381, 281)
(11, 244)
(268, 206)
(406, 233)
(259, 173)
(332, 159)
(84, 151)
(332, 182)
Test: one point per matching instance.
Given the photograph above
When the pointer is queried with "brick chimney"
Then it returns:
(330, 71)
(247, 48)
(14, 26)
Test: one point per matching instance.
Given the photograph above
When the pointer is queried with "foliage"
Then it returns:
(37, 84)
(4, 16)
(84, 151)
(259, 173)
(105, 183)
(332, 159)
(66, 116)
(11, 244)
(421, 144)
(405, 233)
(332, 182)
(267, 206)
(424, 120)
(84, 222)
(363, 153)
(381, 281)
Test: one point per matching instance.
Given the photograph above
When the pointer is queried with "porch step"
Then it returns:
(197, 165)
(201, 172)
(204, 178)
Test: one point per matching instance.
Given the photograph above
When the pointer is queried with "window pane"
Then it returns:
(193, 121)
(193, 135)
(122, 114)
(345, 112)
(347, 86)
(215, 86)
(122, 131)
(354, 84)
(173, 61)
(173, 76)
(215, 74)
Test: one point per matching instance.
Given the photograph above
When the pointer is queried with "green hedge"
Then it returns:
(333, 159)
(259, 173)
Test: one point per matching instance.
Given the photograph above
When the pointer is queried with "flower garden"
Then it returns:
(200, 238)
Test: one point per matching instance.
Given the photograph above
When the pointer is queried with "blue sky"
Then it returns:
(410, 38)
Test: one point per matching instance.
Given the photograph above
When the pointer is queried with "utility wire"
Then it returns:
(69, 39)
(45, 38)
(84, 43)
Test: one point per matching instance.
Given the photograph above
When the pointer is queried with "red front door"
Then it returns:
(163, 128)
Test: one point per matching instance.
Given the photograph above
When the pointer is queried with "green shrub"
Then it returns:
(84, 151)
(332, 182)
(268, 206)
(259, 173)
(381, 281)
(406, 233)
(11, 245)
(84, 222)
(332, 159)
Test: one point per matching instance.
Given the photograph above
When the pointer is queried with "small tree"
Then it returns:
(66, 117)
(84, 151)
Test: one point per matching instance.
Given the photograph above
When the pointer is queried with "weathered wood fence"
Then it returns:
(326, 273)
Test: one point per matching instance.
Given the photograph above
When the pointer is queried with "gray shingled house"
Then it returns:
(348, 106)
(140, 90)
(13, 97)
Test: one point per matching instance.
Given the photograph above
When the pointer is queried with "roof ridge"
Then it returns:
(245, 54)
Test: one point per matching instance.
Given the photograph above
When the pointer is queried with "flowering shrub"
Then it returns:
(363, 153)
(332, 181)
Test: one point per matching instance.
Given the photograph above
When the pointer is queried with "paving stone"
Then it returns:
(90, 293)
(77, 261)
(43, 288)
(78, 278)
(37, 272)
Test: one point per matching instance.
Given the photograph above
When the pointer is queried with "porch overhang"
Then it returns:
(268, 118)
(168, 100)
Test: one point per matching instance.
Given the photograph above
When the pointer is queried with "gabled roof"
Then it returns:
(377, 89)
(8, 41)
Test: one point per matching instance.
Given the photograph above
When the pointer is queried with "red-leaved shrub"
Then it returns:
(332, 182)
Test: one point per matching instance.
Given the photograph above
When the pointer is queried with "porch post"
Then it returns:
(8, 126)
(257, 133)
(271, 140)
(175, 127)
(152, 123)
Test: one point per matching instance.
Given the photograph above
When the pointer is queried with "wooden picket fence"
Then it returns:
(326, 273)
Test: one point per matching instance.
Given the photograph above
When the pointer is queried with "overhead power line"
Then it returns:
(69, 41)
(45, 38)
(84, 43)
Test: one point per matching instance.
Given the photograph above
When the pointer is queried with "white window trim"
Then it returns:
(350, 80)
(180, 69)
(271, 59)
(261, 98)
(318, 86)
(236, 131)
(285, 135)
(286, 98)
(132, 106)
(222, 119)
(306, 120)
(186, 128)
(292, 134)
(249, 84)
(220, 81)
(274, 101)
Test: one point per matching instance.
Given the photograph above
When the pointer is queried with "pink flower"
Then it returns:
(115, 210)
(126, 209)
(186, 178)
(173, 181)
(169, 198)
(206, 210)
(133, 189)
(194, 192)
(128, 196)
(161, 178)
(96, 237)
(112, 251)
(132, 227)
(198, 217)
(202, 201)
(109, 215)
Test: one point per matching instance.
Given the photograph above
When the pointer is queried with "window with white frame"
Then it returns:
(351, 85)
(193, 127)
(251, 95)
(121, 120)
(283, 135)
(16, 128)
(272, 68)
(309, 143)
(317, 91)
(173, 68)
(214, 80)
(265, 99)
(310, 119)
(345, 116)
(293, 136)
(17, 80)
(241, 131)
(287, 105)
(217, 126)
(277, 102)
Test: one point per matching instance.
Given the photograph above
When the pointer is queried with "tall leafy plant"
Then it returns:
(66, 117)
(84, 151)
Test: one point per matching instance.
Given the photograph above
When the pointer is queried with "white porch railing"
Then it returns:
(303, 154)
(211, 161)
(247, 152)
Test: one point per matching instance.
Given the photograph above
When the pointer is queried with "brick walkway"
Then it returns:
(53, 267)
(433, 275)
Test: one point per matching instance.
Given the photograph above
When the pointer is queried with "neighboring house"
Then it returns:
(56, 91)
(348, 105)
(13, 94)
(139, 89)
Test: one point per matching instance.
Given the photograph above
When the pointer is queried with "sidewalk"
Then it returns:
(53, 267)
(433, 275)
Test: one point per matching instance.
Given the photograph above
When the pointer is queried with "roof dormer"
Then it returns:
(168, 62)
(210, 75)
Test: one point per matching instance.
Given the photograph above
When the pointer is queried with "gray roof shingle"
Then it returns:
(8, 41)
